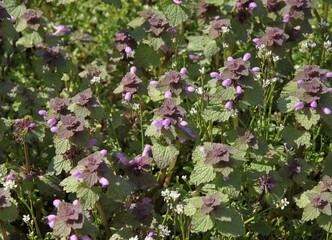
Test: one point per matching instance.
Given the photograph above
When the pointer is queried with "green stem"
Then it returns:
(3, 231)
(141, 125)
(326, 11)
(104, 220)
(27, 158)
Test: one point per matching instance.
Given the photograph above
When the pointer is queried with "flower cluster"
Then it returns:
(53, 56)
(124, 41)
(244, 9)
(210, 203)
(70, 216)
(274, 5)
(32, 18)
(296, 9)
(157, 24)
(266, 183)
(91, 169)
(22, 128)
(218, 27)
(310, 81)
(273, 38)
(129, 84)
(173, 81)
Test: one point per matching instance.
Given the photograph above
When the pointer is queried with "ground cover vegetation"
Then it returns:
(170, 119)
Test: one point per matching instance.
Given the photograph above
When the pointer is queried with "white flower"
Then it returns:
(163, 231)
(26, 218)
(184, 177)
(225, 29)
(193, 111)
(225, 45)
(95, 79)
(134, 238)
(179, 209)
(327, 44)
(275, 58)
(174, 195)
(135, 106)
(202, 70)
(8, 185)
(148, 238)
(283, 203)
(199, 90)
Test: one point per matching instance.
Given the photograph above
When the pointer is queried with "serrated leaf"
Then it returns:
(177, 13)
(61, 145)
(88, 196)
(197, 43)
(164, 155)
(325, 222)
(60, 164)
(79, 110)
(70, 184)
(220, 95)
(201, 222)
(14, 9)
(310, 213)
(30, 40)
(216, 114)
(307, 118)
(61, 229)
(211, 49)
(202, 173)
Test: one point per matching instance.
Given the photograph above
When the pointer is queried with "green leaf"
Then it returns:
(14, 9)
(116, 3)
(164, 155)
(61, 229)
(191, 205)
(202, 173)
(177, 13)
(70, 184)
(88, 196)
(230, 223)
(307, 118)
(61, 145)
(296, 138)
(216, 114)
(325, 222)
(60, 164)
(9, 214)
(145, 56)
(30, 40)
(201, 222)
(79, 110)
(119, 188)
(310, 213)
(197, 43)
(211, 49)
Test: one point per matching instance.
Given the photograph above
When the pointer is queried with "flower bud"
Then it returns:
(177, 1)
(168, 94)
(166, 122)
(42, 112)
(133, 69)
(255, 69)
(252, 6)
(51, 122)
(127, 96)
(128, 50)
(313, 104)
(183, 70)
(54, 129)
(326, 111)
(190, 89)
(76, 202)
(227, 82)
(104, 182)
(246, 56)
(215, 75)
(229, 104)
(73, 237)
(56, 203)
(329, 74)
(183, 123)
(146, 150)
(238, 90)
(298, 106)
(103, 152)
(230, 59)
(286, 18)
(153, 83)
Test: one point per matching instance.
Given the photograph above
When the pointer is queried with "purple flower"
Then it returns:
(183, 70)
(229, 105)
(326, 111)
(298, 106)
(286, 18)
(166, 122)
(86, 237)
(146, 150)
(313, 105)
(168, 94)
(103, 152)
(153, 83)
(194, 57)
(104, 182)
(266, 182)
(238, 90)
(51, 122)
(215, 75)
(54, 129)
(183, 123)
(238, 5)
(51, 220)
(127, 96)
(328, 74)
(77, 174)
(92, 142)
(227, 82)
(122, 158)
(252, 6)
(178, 1)
(230, 58)
(42, 113)
(56, 203)
(255, 69)
(133, 69)
(158, 124)
(190, 89)
(128, 50)
(73, 237)
(246, 56)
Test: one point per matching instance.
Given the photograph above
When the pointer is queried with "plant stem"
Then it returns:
(27, 158)
(141, 125)
(3, 231)
(169, 175)
(103, 216)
